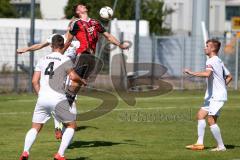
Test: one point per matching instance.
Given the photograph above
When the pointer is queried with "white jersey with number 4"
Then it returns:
(54, 68)
(71, 50)
(216, 84)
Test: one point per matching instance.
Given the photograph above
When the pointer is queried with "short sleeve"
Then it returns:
(38, 66)
(209, 65)
(226, 71)
(100, 28)
(74, 28)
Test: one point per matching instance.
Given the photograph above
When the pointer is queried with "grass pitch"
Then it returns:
(157, 128)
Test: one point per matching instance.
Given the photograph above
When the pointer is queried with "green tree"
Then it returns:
(155, 13)
(125, 10)
(7, 10)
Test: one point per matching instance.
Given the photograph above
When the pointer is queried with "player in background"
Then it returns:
(71, 53)
(86, 30)
(52, 69)
(218, 77)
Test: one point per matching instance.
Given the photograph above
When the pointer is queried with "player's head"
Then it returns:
(57, 42)
(212, 46)
(80, 8)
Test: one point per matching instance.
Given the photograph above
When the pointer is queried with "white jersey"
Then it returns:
(71, 50)
(53, 68)
(216, 84)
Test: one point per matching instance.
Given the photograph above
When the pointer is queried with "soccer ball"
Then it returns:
(106, 13)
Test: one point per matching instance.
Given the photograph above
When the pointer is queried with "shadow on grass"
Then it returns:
(228, 146)
(84, 127)
(86, 144)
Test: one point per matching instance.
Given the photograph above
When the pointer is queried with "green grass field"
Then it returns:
(157, 128)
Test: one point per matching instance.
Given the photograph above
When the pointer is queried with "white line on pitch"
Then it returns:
(150, 108)
(14, 113)
(81, 111)
(117, 109)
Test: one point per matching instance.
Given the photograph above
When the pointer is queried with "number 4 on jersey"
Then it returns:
(49, 70)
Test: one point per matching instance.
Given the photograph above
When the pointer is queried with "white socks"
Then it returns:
(57, 124)
(201, 130)
(217, 135)
(215, 131)
(29, 139)
(66, 139)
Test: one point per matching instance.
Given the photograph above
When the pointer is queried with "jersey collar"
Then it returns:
(85, 20)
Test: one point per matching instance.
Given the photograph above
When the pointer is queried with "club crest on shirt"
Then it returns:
(91, 29)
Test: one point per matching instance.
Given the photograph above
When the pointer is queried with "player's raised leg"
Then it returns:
(66, 139)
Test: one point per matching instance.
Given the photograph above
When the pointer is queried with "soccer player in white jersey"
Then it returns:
(218, 77)
(48, 82)
(71, 53)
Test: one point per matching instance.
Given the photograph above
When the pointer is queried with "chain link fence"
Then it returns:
(174, 53)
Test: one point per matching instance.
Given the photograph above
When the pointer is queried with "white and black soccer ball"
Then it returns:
(106, 13)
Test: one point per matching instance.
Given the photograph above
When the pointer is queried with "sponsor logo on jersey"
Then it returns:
(55, 58)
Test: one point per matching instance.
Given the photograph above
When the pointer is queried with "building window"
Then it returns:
(232, 11)
(23, 8)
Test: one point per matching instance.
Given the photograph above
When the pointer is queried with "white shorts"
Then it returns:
(213, 107)
(59, 109)
(43, 111)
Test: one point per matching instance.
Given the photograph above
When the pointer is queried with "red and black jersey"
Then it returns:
(86, 32)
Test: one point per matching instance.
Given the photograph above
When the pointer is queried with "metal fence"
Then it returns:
(173, 52)
(179, 52)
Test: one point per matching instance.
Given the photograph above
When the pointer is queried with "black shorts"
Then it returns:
(84, 64)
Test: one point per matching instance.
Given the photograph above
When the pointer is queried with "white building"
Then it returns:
(50, 9)
(53, 9)
(220, 13)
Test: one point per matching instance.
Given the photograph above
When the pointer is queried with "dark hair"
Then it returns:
(216, 44)
(57, 41)
(75, 8)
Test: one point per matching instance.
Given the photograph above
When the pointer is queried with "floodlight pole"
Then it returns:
(136, 48)
(115, 5)
(32, 31)
(200, 14)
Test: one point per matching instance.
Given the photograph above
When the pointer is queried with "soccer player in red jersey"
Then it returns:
(86, 30)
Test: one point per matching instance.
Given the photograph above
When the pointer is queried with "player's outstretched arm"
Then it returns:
(114, 41)
(36, 80)
(33, 47)
(205, 73)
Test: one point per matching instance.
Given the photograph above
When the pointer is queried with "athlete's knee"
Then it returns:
(72, 125)
(211, 120)
(37, 126)
(201, 114)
